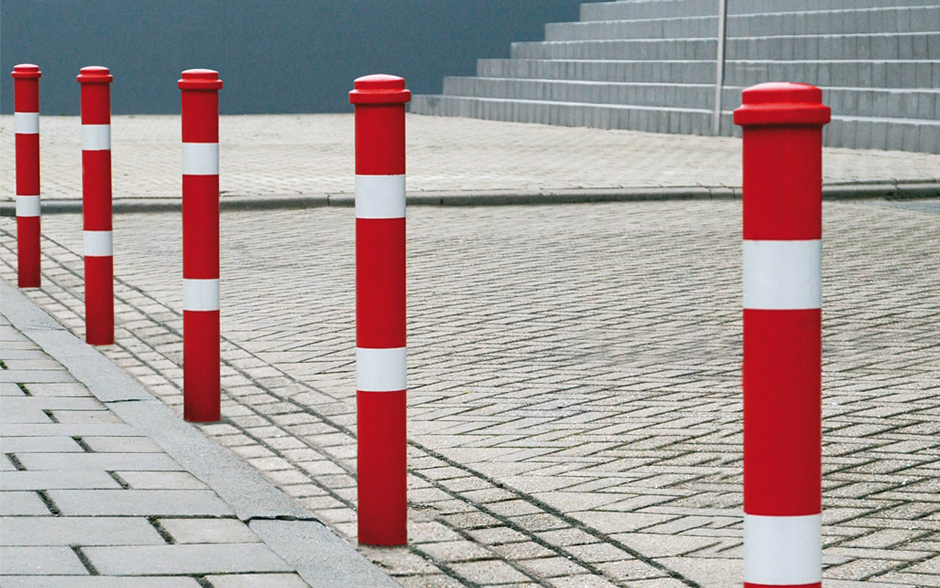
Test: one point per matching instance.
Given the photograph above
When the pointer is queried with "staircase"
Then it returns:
(650, 65)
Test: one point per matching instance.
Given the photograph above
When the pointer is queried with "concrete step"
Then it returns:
(906, 46)
(869, 74)
(851, 132)
(818, 22)
(847, 101)
(643, 9)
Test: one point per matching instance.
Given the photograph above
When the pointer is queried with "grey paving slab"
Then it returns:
(99, 582)
(257, 581)
(186, 559)
(71, 389)
(39, 445)
(69, 430)
(52, 480)
(22, 504)
(67, 530)
(35, 376)
(99, 461)
(208, 531)
(39, 560)
(122, 444)
(161, 480)
(139, 502)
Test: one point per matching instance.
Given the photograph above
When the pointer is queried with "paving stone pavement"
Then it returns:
(574, 405)
(89, 501)
(277, 155)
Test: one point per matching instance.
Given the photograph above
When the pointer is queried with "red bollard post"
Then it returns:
(380, 308)
(26, 127)
(96, 204)
(782, 333)
(201, 333)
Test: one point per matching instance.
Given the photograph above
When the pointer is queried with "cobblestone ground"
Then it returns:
(574, 403)
(313, 154)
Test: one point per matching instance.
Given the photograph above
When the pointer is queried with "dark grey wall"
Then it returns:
(273, 55)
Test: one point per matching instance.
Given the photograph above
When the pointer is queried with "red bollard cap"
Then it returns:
(95, 74)
(26, 71)
(379, 89)
(782, 104)
(200, 79)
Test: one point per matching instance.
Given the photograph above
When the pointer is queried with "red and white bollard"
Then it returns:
(380, 308)
(201, 334)
(96, 204)
(782, 333)
(26, 127)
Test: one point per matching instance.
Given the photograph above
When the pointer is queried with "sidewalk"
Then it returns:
(101, 485)
(278, 157)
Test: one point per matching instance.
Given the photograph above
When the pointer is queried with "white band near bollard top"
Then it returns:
(96, 137)
(200, 159)
(782, 275)
(26, 123)
(200, 295)
(380, 196)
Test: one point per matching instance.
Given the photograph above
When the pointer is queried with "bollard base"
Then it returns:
(382, 468)
(99, 300)
(201, 363)
(27, 252)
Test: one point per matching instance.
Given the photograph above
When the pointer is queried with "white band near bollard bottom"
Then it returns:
(97, 243)
(200, 294)
(381, 370)
(27, 206)
(782, 550)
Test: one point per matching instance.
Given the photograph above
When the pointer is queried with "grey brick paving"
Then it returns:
(574, 382)
(278, 155)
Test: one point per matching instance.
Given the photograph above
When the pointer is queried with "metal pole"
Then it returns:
(720, 64)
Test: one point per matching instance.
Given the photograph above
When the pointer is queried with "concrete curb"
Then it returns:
(286, 527)
(844, 191)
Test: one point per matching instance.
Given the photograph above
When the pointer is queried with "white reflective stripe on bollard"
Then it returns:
(200, 159)
(26, 123)
(381, 370)
(380, 196)
(96, 137)
(27, 206)
(782, 275)
(97, 243)
(200, 294)
(782, 550)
